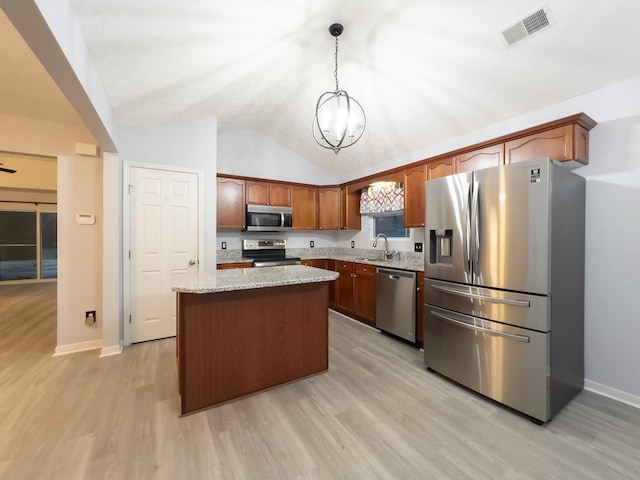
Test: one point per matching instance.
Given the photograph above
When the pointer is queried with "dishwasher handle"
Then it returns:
(395, 274)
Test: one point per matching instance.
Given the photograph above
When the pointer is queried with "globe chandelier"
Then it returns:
(339, 121)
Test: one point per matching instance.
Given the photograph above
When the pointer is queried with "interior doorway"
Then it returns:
(164, 239)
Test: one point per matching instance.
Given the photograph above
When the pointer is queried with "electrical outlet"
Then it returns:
(90, 317)
(417, 247)
(224, 245)
(311, 244)
(353, 244)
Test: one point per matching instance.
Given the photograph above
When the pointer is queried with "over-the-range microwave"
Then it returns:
(269, 218)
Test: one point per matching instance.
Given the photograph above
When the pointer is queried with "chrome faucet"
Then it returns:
(387, 254)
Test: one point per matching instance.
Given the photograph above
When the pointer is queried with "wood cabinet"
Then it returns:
(329, 208)
(350, 218)
(326, 265)
(230, 203)
(268, 193)
(414, 178)
(365, 293)
(345, 291)
(440, 168)
(483, 158)
(568, 142)
(420, 308)
(228, 266)
(304, 202)
(356, 291)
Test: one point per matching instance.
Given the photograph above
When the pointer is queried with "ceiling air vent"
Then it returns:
(538, 20)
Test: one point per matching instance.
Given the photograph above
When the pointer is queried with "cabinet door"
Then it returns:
(556, 143)
(329, 208)
(345, 289)
(230, 203)
(257, 193)
(350, 218)
(414, 179)
(483, 158)
(304, 202)
(365, 293)
(420, 308)
(440, 168)
(280, 194)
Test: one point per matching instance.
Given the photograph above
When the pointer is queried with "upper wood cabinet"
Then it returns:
(328, 208)
(414, 178)
(230, 203)
(440, 168)
(568, 142)
(268, 193)
(304, 202)
(483, 158)
(350, 218)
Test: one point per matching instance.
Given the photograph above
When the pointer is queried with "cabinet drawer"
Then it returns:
(364, 269)
(345, 266)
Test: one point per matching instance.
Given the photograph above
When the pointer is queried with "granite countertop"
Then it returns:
(248, 278)
(403, 260)
(401, 264)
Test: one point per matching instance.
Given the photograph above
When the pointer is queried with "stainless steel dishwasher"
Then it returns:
(396, 302)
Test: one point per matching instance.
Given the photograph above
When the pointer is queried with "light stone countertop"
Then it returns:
(403, 261)
(248, 278)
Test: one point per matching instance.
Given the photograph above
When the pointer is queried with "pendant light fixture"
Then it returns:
(339, 121)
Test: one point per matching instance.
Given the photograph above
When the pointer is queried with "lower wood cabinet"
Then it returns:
(226, 266)
(327, 265)
(365, 293)
(356, 292)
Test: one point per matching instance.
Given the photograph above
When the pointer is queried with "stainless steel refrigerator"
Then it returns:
(504, 283)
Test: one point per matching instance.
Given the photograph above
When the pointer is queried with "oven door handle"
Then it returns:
(488, 298)
(510, 336)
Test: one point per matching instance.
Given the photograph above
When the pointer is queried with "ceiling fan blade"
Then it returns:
(7, 170)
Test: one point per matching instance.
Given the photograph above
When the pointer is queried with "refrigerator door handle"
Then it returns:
(506, 301)
(510, 336)
(467, 233)
(476, 227)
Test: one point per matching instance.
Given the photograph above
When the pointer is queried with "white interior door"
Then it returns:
(164, 240)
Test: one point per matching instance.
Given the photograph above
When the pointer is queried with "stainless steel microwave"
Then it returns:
(268, 218)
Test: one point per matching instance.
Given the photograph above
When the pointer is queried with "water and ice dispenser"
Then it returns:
(441, 243)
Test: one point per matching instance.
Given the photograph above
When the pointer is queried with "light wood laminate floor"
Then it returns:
(377, 413)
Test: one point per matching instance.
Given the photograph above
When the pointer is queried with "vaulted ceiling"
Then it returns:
(423, 71)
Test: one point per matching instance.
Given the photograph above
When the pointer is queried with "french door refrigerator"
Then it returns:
(504, 283)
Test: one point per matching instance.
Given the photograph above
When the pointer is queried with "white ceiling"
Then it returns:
(423, 71)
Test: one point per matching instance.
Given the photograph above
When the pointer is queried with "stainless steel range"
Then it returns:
(267, 253)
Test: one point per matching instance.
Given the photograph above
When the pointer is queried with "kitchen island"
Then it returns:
(246, 330)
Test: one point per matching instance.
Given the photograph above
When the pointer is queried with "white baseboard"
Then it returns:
(614, 393)
(112, 350)
(77, 347)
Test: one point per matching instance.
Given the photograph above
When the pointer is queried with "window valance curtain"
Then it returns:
(385, 198)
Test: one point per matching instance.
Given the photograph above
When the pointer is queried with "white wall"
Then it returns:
(79, 253)
(248, 153)
(190, 144)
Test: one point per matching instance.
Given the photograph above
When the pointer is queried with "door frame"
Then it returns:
(126, 234)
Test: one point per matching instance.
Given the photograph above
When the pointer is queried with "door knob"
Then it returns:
(192, 262)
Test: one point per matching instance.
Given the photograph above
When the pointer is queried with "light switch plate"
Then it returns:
(224, 245)
(311, 244)
(417, 247)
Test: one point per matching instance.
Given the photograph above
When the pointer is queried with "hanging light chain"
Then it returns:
(335, 73)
